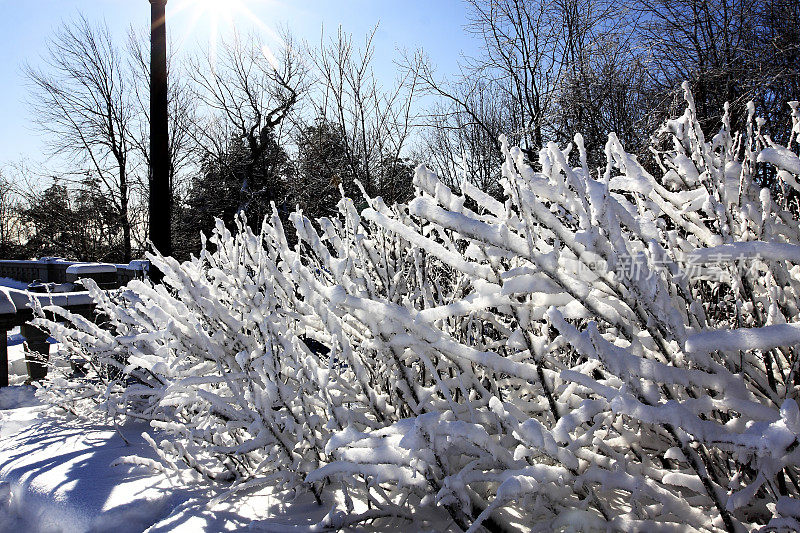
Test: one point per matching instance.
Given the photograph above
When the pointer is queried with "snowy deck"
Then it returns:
(16, 300)
(16, 310)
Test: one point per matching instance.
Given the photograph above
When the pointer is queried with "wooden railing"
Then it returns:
(21, 313)
(16, 310)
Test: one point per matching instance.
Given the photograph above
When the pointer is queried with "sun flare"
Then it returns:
(216, 8)
(215, 18)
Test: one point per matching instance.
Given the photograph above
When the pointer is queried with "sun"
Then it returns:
(214, 17)
(215, 7)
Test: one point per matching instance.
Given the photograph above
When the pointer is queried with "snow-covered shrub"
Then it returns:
(212, 359)
(605, 348)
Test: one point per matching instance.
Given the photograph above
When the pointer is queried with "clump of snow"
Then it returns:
(90, 268)
(765, 338)
(7, 306)
(13, 284)
(26, 299)
(139, 264)
(14, 397)
(782, 158)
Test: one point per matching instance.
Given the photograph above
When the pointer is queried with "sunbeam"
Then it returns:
(216, 17)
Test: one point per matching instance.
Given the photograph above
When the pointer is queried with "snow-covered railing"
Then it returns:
(15, 304)
(17, 309)
(55, 270)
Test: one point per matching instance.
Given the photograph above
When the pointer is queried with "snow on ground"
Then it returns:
(57, 475)
(12, 283)
(60, 477)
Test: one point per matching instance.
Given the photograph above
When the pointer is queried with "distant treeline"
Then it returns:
(293, 124)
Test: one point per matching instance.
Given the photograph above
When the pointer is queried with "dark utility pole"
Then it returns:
(160, 193)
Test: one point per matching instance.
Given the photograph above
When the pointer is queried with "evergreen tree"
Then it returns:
(227, 184)
(80, 224)
(322, 168)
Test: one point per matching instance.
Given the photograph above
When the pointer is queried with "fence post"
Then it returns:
(38, 351)
(3, 357)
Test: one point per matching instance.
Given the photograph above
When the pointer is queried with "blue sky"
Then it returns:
(437, 26)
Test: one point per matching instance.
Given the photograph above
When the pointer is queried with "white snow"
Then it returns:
(6, 304)
(91, 268)
(13, 284)
(62, 475)
(764, 338)
(725, 253)
(543, 361)
(22, 299)
(781, 157)
(139, 264)
(17, 371)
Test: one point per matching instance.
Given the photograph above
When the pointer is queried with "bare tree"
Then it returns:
(249, 92)
(730, 50)
(10, 227)
(376, 122)
(460, 137)
(556, 65)
(524, 53)
(705, 42)
(81, 99)
(604, 85)
(781, 51)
